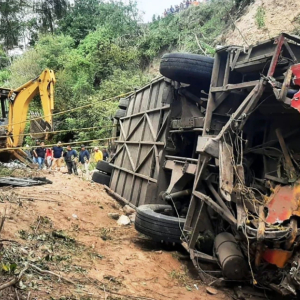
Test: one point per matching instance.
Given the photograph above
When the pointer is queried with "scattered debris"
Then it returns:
(211, 291)
(128, 210)
(15, 164)
(15, 181)
(114, 216)
(132, 217)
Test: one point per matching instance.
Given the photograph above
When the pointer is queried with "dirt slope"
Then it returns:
(71, 234)
(279, 16)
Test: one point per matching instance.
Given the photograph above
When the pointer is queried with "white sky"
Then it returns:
(157, 7)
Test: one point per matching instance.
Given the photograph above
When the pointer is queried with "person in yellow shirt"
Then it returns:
(98, 154)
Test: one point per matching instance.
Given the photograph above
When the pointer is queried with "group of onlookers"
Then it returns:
(55, 157)
(182, 6)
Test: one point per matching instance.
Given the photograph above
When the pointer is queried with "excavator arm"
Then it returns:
(19, 100)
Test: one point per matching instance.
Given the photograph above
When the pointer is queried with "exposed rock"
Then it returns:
(123, 220)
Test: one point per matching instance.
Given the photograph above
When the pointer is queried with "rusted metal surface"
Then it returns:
(277, 257)
(283, 203)
(279, 41)
(295, 103)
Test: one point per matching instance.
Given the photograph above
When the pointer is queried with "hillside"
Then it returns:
(100, 49)
(262, 20)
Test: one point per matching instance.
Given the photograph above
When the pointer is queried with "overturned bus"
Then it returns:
(209, 155)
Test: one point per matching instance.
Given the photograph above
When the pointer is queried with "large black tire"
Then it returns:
(120, 113)
(124, 102)
(101, 178)
(104, 166)
(187, 68)
(151, 222)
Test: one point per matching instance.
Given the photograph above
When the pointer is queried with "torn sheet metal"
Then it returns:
(283, 204)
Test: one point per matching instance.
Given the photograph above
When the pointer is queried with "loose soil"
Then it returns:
(279, 16)
(73, 236)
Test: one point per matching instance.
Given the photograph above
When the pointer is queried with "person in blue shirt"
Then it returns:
(70, 158)
(84, 160)
(57, 154)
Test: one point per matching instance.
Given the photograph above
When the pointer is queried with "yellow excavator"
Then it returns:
(14, 110)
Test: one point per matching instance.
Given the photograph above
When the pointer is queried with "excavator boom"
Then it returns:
(19, 100)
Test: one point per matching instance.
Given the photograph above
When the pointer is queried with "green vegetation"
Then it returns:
(260, 17)
(100, 49)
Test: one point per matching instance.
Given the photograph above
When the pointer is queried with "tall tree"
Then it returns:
(11, 22)
(49, 12)
(86, 15)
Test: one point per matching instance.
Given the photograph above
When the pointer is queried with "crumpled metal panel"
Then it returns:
(283, 204)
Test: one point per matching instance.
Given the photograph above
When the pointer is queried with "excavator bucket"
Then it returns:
(39, 127)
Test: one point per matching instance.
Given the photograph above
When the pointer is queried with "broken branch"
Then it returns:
(52, 273)
(13, 281)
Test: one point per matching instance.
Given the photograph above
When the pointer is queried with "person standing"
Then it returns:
(105, 154)
(49, 157)
(98, 154)
(84, 159)
(40, 155)
(70, 158)
(57, 153)
(28, 152)
(34, 158)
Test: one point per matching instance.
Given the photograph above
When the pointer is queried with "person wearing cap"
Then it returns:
(98, 154)
(84, 160)
(57, 154)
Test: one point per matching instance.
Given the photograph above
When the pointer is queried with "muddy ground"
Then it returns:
(64, 228)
